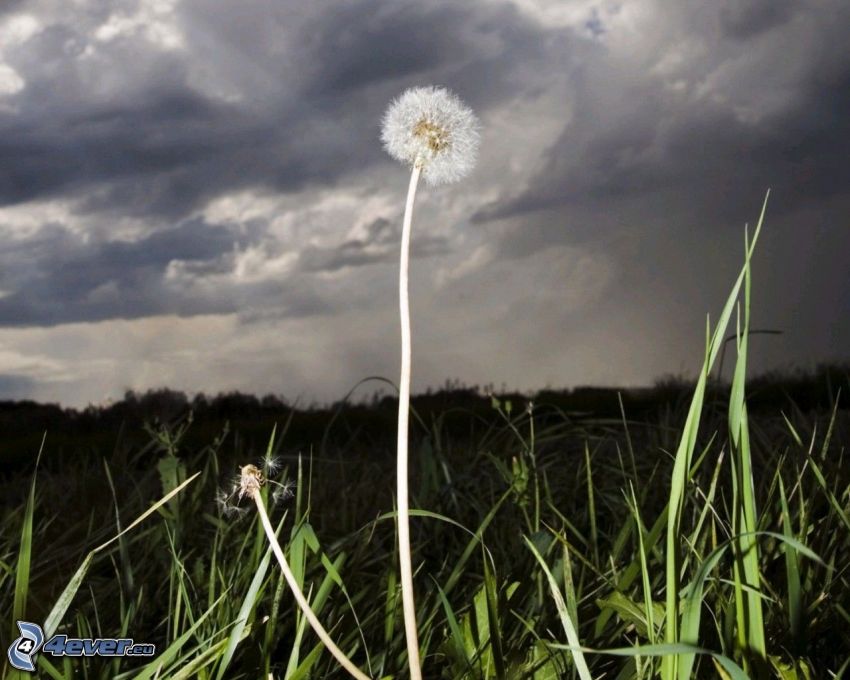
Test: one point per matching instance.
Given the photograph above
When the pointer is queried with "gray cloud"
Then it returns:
(17, 386)
(624, 147)
(156, 142)
(647, 139)
(747, 18)
(380, 246)
(59, 277)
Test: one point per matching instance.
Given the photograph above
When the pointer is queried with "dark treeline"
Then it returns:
(249, 419)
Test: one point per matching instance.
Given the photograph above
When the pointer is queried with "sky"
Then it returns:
(193, 193)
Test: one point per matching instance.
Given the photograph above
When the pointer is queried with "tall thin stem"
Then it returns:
(405, 562)
(344, 661)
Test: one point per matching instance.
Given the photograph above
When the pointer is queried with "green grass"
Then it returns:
(704, 541)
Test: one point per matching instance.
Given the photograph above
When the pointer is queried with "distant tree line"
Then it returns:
(372, 419)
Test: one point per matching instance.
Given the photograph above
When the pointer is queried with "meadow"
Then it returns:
(580, 479)
(699, 529)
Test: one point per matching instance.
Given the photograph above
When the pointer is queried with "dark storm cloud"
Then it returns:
(136, 143)
(59, 277)
(484, 50)
(10, 6)
(365, 43)
(14, 386)
(163, 156)
(157, 145)
(664, 157)
(124, 129)
(744, 19)
(379, 246)
(649, 140)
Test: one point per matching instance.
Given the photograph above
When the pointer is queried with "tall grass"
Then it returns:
(706, 541)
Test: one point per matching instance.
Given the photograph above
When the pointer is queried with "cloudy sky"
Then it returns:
(193, 194)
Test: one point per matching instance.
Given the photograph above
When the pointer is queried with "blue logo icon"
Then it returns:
(22, 650)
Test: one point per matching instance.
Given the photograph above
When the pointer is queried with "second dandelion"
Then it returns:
(432, 131)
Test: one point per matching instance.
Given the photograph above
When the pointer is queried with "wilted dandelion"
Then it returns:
(431, 130)
(252, 478)
(251, 481)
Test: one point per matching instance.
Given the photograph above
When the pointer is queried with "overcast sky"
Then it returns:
(193, 193)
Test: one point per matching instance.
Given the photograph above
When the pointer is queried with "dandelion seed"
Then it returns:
(431, 128)
(233, 510)
(221, 500)
(272, 465)
(225, 503)
(284, 491)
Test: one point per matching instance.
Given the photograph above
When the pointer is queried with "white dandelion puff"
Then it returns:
(432, 128)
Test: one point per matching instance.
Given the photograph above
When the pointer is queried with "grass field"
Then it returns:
(569, 483)
(683, 532)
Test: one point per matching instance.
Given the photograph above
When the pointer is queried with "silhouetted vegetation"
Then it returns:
(462, 411)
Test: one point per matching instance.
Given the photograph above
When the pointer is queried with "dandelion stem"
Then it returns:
(405, 562)
(299, 596)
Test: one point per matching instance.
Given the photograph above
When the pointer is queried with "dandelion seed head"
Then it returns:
(432, 128)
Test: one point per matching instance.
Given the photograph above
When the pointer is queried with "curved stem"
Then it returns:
(405, 562)
(344, 661)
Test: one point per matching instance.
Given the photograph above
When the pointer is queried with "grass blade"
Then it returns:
(569, 626)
